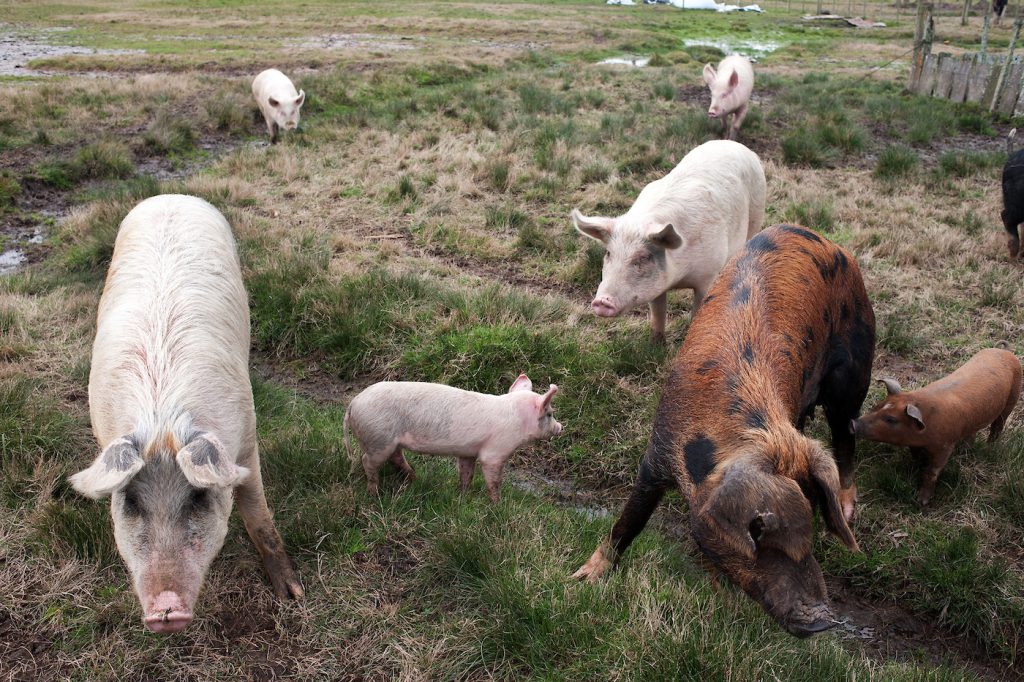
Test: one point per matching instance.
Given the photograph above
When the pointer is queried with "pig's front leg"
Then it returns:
(934, 464)
(659, 316)
(252, 507)
(492, 467)
(467, 466)
(737, 119)
(650, 487)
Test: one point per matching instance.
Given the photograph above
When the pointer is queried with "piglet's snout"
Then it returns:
(556, 428)
(604, 306)
(168, 613)
(853, 426)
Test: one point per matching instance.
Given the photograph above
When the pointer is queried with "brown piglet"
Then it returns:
(932, 420)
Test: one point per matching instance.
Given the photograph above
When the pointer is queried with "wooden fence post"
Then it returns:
(984, 30)
(997, 96)
(923, 34)
(963, 17)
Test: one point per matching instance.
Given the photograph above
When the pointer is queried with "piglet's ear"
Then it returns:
(206, 464)
(709, 74)
(734, 79)
(301, 98)
(594, 227)
(915, 413)
(892, 387)
(272, 102)
(111, 471)
(545, 400)
(522, 383)
(826, 480)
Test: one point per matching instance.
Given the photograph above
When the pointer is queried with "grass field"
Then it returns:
(416, 227)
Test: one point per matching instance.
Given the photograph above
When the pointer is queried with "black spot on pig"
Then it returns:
(801, 232)
(742, 296)
(700, 458)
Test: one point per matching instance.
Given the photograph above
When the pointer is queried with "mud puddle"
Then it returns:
(17, 50)
(561, 492)
(356, 41)
(747, 48)
(627, 60)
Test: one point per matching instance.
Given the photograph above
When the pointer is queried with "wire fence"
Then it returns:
(891, 13)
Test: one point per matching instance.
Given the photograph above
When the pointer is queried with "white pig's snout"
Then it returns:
(168, 613)
(713, 113)
(556, 428)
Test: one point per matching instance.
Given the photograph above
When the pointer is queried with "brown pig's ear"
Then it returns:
(915, 413)
(206, 463)
(752, 507)
(111, 471)
(826, 480)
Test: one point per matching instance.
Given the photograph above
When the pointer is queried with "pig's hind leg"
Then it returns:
(372, 462)
(252, 507)
(398, 459)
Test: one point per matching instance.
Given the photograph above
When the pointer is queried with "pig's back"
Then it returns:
(781, 314)
(172, 336)
(717, 192)
(271, 82)
(989, 371)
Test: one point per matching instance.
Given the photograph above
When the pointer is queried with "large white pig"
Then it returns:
(279, 103)
(730, 87)
(442, 420)
(679, 232)
(172, 408)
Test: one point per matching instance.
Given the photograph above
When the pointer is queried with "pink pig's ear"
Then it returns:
(522, 383)
(709, 74)
(545, 400)
(734, 79)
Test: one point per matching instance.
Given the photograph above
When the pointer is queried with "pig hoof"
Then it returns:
(848, 502)
(595, 568)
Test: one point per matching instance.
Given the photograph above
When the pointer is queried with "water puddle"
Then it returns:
(17, 50)
(747, 48)
(627, 60)
(561, 492)
(14, 257)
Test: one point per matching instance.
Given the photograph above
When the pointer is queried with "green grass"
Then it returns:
(896, 162)
(466, 153)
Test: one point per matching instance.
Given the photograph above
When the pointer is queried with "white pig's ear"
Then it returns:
(664, 236)
(111, 471)
(545, 400)
(206, 464)
(734, 79)
(709, 74)
(595, 228)
(272, 102)
(301, 98)
(522, 383)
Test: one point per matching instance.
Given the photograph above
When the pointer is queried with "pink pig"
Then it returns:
(730, 89)
(441, 420)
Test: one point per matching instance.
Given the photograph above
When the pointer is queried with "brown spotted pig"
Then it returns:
(932, 420)
(787, 326)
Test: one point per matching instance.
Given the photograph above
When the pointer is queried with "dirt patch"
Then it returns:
(18, 50)
(356, 41)
(887, 632)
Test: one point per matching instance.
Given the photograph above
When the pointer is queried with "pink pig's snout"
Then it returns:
(713, 113)
(168, 613)
(556, 428)
(604, 306)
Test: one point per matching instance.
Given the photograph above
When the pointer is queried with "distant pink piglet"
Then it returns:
(441, 420)
(730, 89)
